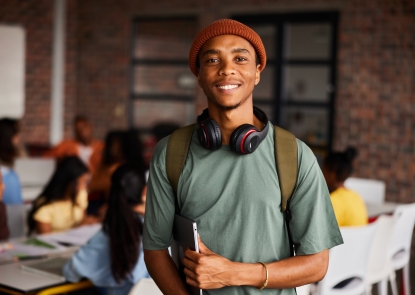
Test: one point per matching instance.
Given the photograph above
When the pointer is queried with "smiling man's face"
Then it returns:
(228, 71)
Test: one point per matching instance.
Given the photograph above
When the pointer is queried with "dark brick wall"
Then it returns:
(36, 17)
(375, 103)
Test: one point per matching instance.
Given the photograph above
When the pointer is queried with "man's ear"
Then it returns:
(257, 74)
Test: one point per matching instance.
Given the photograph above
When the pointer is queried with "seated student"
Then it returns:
(9, 138)
(121, 147)
(113, 259)
(112, 158)
(4, 229)
(349, 207)
(84, 146)
(62, 204)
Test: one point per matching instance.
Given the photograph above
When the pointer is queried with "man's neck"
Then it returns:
(229, 120)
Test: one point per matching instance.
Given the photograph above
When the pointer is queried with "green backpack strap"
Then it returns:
(287, 163)
(176, 154)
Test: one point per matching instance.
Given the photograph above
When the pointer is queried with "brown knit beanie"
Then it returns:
(226, 27)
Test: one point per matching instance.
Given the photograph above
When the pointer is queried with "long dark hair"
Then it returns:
(62, 181)
(122, 225)
(341, 163)
(110, 139)
(133, 150)
(8, 129)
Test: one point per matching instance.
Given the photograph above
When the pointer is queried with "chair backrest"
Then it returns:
(371, 190)
(34, 173)
(380, 265)
(145, 286)
(402, 233)
(349, 260)
(16, 220)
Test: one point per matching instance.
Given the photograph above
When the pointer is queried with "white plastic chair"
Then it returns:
(401, 241)
(303, 290)
(34, 173)
(348, 261)
(380, 267)
(16, 220)
(145, 287)
(371, 190)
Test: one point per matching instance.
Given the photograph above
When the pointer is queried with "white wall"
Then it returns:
(12, 71)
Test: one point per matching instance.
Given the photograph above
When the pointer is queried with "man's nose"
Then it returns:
(226, 68)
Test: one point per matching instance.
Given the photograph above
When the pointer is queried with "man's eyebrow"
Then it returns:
(240, 50)
(210, 51)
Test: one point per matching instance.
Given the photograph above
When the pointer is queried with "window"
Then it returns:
(162, 86)
(297, 87)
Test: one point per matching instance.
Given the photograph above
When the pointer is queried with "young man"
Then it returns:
(235, 199)
(83, 145)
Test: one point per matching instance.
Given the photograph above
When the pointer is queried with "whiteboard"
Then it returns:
(12, 71)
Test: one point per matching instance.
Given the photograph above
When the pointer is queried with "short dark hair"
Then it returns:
(341, 163)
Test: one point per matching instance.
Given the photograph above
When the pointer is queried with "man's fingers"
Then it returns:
(191, 255)
(189, 263)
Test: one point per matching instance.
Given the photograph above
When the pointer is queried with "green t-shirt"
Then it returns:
(236, 202)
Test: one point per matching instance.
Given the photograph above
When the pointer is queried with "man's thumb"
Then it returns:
(202, 247)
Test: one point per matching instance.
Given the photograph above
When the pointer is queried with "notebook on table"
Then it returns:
(51, 268)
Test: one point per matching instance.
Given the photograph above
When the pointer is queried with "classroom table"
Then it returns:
(14, 280)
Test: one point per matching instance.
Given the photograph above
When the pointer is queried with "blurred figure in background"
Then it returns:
(349, 207)
(62, 204)
(159, 131)
(4, 229)
(9, 140)
(83, 145)
(121, 147)
(112, 158)
(113, 259)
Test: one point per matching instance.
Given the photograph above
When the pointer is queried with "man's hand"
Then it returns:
(206, 270)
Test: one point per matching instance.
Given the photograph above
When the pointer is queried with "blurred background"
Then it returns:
(339, 72)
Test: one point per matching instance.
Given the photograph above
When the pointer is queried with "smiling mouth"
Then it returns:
(227, 87)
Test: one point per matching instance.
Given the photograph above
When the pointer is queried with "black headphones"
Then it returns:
(244, 140)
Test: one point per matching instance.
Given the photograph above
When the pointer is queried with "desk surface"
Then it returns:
(11, 276)
(374, 210)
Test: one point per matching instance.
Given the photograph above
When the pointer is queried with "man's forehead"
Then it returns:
(232, 43)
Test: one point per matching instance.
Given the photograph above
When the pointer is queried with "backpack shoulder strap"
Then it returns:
(287, 163)
(176, 154)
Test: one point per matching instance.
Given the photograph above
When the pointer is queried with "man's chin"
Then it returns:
(229, 107)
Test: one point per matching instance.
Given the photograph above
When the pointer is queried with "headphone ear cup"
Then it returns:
(239, 137)
(209, 135)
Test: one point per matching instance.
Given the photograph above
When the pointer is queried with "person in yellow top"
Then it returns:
(62, 204)
(349, 207)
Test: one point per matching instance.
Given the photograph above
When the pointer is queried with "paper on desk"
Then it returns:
(20, 248)
(76, 237)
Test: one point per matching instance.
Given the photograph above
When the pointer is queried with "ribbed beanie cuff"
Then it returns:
(226, 27)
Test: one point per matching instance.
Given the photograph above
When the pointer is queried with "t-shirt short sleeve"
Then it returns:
(313, 225)
(44, 214)
(160, 204)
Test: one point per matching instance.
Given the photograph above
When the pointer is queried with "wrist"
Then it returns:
(249, 274)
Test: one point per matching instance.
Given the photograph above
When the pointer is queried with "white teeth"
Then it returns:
(227, 87)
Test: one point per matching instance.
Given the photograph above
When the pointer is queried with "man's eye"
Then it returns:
(241, 59)
(212, 60)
